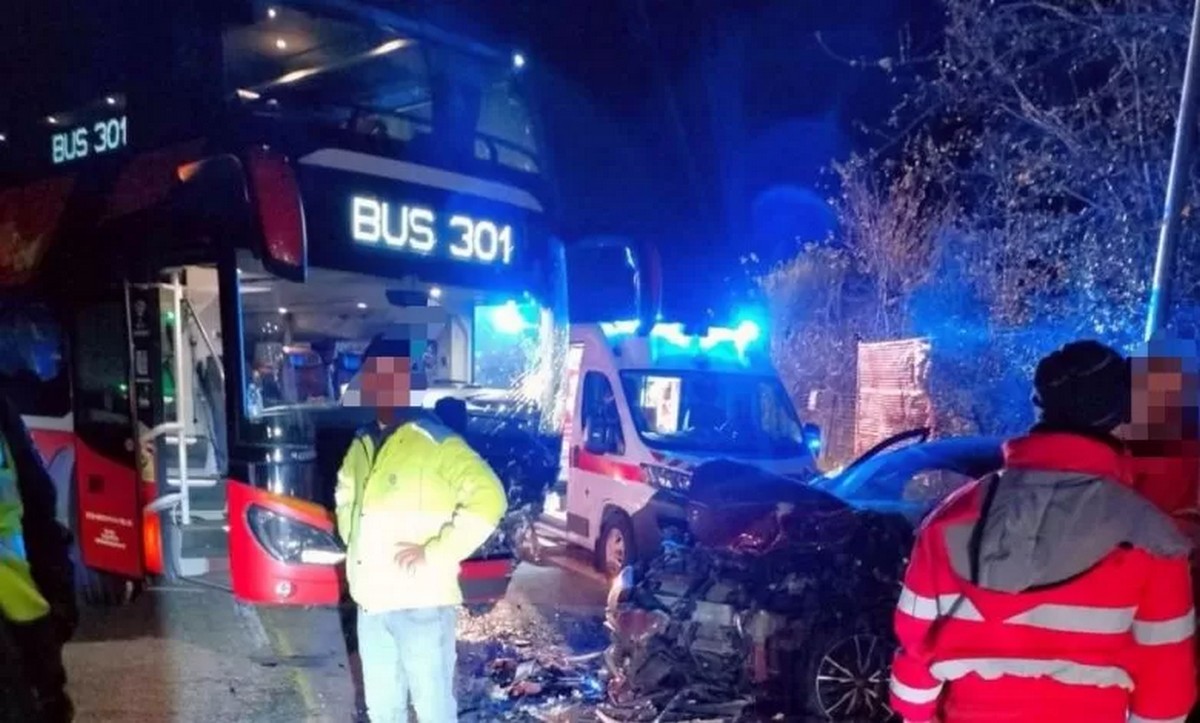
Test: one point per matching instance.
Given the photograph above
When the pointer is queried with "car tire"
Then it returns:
(854, 660)
(616, 532)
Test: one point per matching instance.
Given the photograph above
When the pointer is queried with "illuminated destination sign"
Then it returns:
(421, 230)
(88, 139)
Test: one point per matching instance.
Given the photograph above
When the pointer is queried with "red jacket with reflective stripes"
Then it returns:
(1050, 592)
(1166, 473)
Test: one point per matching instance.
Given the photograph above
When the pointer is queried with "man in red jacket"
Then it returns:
(1050, 592)
(1163, 435)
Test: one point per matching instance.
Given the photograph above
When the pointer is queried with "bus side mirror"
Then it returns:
(211, 198)
(812, 438)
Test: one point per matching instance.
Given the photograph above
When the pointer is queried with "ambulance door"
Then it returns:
(598, 464)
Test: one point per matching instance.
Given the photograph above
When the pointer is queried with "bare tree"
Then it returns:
(831, 296)
(1062, 115)
(1019, 207)
(890, 218)
(816, 319)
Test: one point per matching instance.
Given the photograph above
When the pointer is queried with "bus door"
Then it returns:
(179, 409)
(109, 523)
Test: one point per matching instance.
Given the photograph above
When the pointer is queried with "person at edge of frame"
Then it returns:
(37, 591)
(1162, 437)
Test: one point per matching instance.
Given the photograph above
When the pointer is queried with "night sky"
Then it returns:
(708, 126)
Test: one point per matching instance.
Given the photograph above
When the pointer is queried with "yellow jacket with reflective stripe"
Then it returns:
(20, 600)
(425, 486)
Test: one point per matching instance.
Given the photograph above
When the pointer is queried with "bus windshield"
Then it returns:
(724, 413)
(308, 344)
(386, 86)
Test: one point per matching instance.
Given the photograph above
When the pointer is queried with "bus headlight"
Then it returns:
(668, 478)
(292, 541)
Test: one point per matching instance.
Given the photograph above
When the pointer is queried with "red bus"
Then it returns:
(199, 244)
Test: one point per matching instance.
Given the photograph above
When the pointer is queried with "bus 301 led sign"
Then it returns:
(103, 136)
(419, 230)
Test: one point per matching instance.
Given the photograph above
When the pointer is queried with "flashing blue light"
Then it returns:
(518, 60)
(814, 445)
(812, 439)
(748, 331)
(740, 338)
(624, 327)
(508, 319)
(673, 334)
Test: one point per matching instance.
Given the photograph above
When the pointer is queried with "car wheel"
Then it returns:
(615, 550)
(479, 610)
(847, 677)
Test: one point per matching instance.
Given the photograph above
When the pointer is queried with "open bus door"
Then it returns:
(108, 499)
(147, 399)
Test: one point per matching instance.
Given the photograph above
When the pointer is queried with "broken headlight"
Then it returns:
(668, 478)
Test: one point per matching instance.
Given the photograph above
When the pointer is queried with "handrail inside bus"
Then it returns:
(191, 311)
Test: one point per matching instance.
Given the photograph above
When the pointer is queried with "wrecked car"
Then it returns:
(507, 436)
(909, 473)
(775, 599)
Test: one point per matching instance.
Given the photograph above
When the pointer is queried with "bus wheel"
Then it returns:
(616, 547)
(104, 589)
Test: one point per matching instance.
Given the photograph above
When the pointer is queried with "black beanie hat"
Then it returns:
(1082, 387)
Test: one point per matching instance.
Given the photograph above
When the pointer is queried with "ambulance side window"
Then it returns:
(601, 421)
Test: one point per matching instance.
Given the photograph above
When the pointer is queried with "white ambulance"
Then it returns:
(643, 409)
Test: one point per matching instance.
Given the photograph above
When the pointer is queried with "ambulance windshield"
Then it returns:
(711, 412)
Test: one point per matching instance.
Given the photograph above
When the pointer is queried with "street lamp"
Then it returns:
(1185, 129)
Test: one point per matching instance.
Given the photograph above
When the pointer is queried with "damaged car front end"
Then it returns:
(775, 599)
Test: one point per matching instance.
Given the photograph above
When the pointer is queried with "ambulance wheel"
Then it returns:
(847, 676)
(104, 589)
(616, 548)
(479, 610)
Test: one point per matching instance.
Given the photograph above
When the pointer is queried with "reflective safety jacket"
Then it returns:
(20, 600)
(1048, 592)
(418, 484)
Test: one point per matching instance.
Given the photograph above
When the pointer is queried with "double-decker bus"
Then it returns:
(209, 222)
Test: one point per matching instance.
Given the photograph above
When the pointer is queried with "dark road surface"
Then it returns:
(178, 654)
(182, 652)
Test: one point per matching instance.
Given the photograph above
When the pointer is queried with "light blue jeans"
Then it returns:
(409, 655)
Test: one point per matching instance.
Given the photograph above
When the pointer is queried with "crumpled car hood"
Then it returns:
(745, 508)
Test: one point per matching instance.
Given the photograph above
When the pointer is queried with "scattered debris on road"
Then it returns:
(521, 664)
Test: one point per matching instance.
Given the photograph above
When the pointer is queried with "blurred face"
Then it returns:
(1164, 400)
(386, 382)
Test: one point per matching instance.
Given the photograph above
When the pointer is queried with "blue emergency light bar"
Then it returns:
(741, 337)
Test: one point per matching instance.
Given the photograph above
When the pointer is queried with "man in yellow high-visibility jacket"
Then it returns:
(35, 571)
(20, 601)
(413, 502)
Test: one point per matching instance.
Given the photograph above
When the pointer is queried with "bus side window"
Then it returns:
(601, 421)
(100, 365)
(33, 373)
